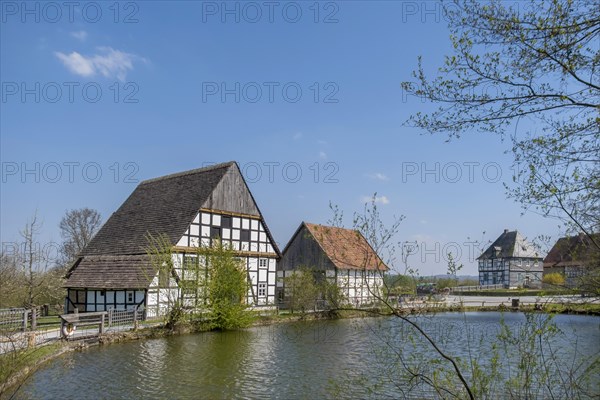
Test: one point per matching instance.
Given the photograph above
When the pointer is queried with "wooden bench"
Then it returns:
(70, 322)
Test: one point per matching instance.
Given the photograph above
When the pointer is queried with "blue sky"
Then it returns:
(97, 97)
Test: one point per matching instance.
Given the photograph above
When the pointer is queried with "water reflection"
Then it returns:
(317, 359)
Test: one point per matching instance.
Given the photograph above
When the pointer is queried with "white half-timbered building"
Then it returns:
(341, 255)
(193, 208)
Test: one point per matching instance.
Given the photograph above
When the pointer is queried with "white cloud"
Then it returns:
(322, 142)
(378, 199)
(109, 63)
(423, 222)
(297, 136)
(77, 63)
(378, 176)
(322, 155)
(80, 35)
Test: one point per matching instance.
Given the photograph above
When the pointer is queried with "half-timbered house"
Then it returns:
(342, 255)
(511, 261)
(192, 209)
(574, 257)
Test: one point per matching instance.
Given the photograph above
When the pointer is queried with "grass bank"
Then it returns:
(16, 367)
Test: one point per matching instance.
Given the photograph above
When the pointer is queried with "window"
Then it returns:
(188, 287)
(262, 290)
(130, 297)
(263, 263)
(245, 235)
(226, 222)
(190, 266)
(189, 262)
(215, 233)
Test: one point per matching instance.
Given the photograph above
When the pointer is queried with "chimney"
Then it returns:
(506, 231)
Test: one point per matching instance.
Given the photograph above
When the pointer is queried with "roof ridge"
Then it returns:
(331, 227)
(189, 172)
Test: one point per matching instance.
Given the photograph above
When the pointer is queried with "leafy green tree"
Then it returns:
(520, 62)
(221, 291)
(301, 290)
(332, 294)
(227, 288)
(400, 284)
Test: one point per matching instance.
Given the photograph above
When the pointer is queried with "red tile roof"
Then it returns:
(573, 250)
(346, 248)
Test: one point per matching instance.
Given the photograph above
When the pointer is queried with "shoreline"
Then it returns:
(62, 347)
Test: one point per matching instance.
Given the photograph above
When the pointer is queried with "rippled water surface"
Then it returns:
(293, 360)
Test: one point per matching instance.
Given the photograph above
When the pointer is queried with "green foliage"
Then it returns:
(333, 294)
(516, 360)
(400, 284)
(535, 366)
(224, 286)
(301, 290)
(554, 279)
(453, 270)
(159, 250)
(442, 283)
(227, 288)
(21, 360)
(533, 61)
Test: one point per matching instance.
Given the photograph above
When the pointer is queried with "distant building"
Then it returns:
(193, 209)
(511, 261)
(573, 257)
(341, 255)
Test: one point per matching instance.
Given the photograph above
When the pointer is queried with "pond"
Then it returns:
(366, 357)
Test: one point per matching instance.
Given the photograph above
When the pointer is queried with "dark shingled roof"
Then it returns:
(164, 205)
(346, 248)
(112, 272)
(510, 244)
(573, 250)
(116, 257)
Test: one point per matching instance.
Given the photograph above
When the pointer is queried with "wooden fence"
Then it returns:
(89, 324)
(476, 288)
(21, 319)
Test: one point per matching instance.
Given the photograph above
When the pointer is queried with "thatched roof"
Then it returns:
(116, 256)
(163, 205)
(112, 272)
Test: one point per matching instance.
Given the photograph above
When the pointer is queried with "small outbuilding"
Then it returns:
(574, 257)
(341, 255)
